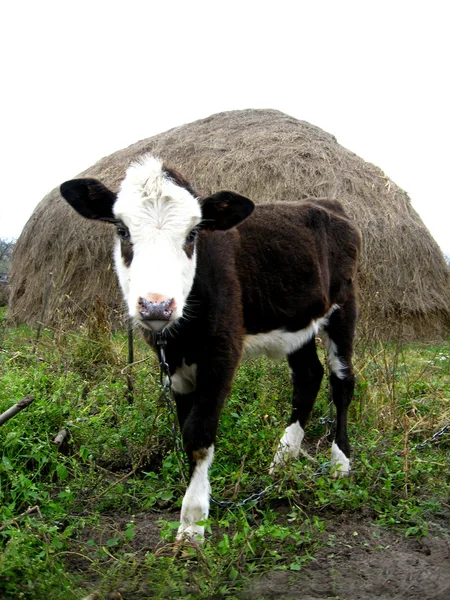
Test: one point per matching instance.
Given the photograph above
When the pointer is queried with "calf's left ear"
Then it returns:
(224, 210)
(90, 198)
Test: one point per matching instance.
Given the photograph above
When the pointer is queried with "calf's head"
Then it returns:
(157, 215)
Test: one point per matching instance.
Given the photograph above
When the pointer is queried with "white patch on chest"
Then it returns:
(184, 378)
(279, 343)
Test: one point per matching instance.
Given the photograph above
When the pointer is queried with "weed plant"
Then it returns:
(99, 511)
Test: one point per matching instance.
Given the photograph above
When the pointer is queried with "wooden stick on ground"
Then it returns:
(11, 412)
(60, 437)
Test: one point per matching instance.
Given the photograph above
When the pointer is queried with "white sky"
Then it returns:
(82, 79)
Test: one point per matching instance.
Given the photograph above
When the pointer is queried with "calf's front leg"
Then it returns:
(195, 506)
(198, 414)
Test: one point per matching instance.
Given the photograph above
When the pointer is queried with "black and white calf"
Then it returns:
(221, 286)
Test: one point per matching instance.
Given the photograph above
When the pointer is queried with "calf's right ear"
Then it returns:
(90, 198)
(224, 210)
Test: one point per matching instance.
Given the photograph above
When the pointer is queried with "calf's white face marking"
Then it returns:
(159, 216)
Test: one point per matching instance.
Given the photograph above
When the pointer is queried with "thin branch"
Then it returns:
(138, 362)
(31, 510)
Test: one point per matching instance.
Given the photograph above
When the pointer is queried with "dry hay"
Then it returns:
(265, 155)
(4, 293)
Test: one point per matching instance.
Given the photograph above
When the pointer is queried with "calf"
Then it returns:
(219, 285)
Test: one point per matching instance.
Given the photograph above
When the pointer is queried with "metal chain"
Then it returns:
(233, 504)
(330, 424)
(434, 438)
(166, 395)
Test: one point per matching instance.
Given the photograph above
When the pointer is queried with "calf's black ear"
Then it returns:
(224, 210)
(90, 198)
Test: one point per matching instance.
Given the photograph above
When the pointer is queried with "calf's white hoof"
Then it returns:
(288, 448)
(191, 534)
(340, 464)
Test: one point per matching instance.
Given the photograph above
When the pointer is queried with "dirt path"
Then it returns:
(371, 565)
(358, 561)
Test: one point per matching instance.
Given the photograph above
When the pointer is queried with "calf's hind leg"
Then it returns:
(340, 334)
(307, 373)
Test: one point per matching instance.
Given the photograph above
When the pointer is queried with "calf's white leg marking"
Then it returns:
(340, 464)
(195, 506)
(336, 364)
(289, 446)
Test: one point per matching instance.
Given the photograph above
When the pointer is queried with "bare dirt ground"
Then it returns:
(373, 564)
(358, 561)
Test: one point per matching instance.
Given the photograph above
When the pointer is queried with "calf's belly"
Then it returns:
(279, 343)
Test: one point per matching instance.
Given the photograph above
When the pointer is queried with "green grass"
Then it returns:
(88, 500)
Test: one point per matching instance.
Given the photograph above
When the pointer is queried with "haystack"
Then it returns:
(265, 155)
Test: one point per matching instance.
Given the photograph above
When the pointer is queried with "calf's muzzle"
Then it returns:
(155, 310)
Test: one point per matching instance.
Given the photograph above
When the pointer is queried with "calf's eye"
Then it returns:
(123, 233)
(191, 237)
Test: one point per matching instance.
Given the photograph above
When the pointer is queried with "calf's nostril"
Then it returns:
(155, 311)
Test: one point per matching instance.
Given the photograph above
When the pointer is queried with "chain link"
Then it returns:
(166, 395)
(234, 504)
(327, 421)
(330, 425)
(434, 438)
